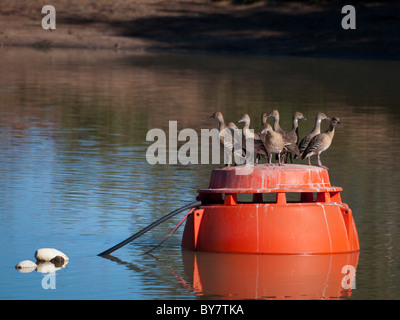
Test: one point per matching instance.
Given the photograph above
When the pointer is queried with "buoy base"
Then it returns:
(317, 223)
(272, 229)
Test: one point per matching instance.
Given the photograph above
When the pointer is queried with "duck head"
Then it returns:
(245, 119)
(266, 128)
(216, 115)
(274, 114)
(232, 126)
(322, 116)
(264, 117)
(335, 121)
(299, 116)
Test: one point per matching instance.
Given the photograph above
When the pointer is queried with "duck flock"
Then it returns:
(285, 144)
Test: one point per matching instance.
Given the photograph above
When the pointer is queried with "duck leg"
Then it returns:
(270, 159)
(283, 157)
(309, 161)
(319, 162)
(279, 159)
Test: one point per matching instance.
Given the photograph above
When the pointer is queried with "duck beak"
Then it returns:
(241, 120)
(339, 122)
(304, 118)
(211, 117)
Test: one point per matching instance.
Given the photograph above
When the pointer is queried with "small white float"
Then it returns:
(48, 260)
(26, 266)
(47, 254)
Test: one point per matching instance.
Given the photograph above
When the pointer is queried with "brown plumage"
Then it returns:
(239, 143)
(264, 118)
(228, 147)
(218, 115)
(290, 144)
(273, 142)
(259, 149)
(294, 133)
(316, 130)
(232, 126)
(221, 124)
(321, 142)
(275, 114)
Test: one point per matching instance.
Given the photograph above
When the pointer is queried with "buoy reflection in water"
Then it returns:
(254, 276)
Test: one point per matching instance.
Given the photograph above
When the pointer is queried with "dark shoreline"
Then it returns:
(274, 28)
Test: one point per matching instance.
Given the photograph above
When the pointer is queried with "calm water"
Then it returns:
(74, 175)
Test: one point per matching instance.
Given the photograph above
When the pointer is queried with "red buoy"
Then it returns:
(315, 222)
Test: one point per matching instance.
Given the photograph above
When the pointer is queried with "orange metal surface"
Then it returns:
(263, 178)
(317, 222)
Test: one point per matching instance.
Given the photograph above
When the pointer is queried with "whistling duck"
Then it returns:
(227, 145)
(259, 149)
(290, 145)
(273, 142)
(317, 130)
(264, 118)
(294, 133)
(321, 142)
(232, 126)
(218, 115)
(275, 114)
(238, 141)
